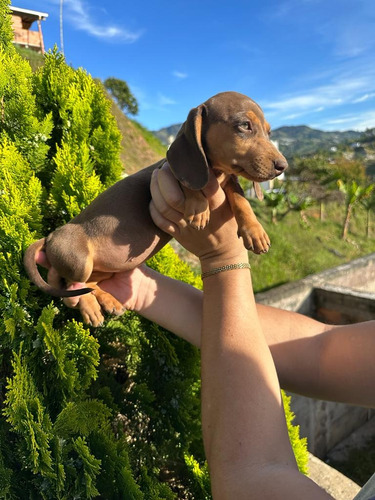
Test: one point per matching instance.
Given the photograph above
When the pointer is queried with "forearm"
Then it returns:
(244, 429)
(172, 304)
(308, 355)
(239, 382)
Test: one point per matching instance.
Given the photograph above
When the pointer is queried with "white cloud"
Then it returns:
(364, 98)
(302, 102)
(78, 14)
(179, 74)
(293, 116)
(353, 121)
(324, 96)
(165, 101)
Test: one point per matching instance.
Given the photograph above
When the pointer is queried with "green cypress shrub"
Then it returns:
(6, 31)
(299, 444)
(81, 116)
(115, 415)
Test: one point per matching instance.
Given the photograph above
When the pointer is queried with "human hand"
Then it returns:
(218, 243)
(128, 287)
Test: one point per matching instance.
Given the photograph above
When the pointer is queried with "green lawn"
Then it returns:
(298, 250)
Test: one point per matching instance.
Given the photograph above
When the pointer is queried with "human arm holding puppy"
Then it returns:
(244, 429)
(309, 356)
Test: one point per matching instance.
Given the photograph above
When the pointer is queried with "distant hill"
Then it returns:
(295, 140)
(166, 135)
(303, 140)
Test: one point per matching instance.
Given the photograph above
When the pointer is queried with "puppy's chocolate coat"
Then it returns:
(227, 133)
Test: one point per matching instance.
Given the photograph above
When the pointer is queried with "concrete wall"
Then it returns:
(325, 424)
(358, 275)
(338, 305)
(341, 295)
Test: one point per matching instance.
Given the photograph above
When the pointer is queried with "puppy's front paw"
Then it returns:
(198, 220)
(255, 238)
(197, 212)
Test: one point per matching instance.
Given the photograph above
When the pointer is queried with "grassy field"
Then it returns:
(298, 249)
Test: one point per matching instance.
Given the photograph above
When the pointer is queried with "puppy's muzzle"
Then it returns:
(280, 165)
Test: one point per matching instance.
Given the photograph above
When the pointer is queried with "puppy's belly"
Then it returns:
(109, 257)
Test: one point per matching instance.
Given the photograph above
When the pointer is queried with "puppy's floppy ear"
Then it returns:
(186, 155)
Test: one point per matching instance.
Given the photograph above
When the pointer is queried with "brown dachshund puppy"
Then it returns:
(115, 232)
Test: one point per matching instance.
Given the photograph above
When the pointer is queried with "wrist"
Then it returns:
(227, 267)
(210, 263)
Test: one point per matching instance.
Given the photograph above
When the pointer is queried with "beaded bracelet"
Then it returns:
(228, 267)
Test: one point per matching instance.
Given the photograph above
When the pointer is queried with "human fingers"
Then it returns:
(170, 188)
(162, 213)
(171, 198)
(162, 222)
(213, 191)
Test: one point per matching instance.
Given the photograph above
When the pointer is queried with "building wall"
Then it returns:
(24, 36)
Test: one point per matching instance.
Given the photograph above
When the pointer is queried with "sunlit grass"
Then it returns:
(299, 250)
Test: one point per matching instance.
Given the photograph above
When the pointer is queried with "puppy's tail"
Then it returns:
(29, 261)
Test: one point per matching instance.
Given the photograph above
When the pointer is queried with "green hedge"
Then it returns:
(111, 413)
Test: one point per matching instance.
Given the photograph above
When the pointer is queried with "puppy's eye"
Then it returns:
(245, 126)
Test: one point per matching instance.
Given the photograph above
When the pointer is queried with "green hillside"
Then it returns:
(303, 140)
(140, 148)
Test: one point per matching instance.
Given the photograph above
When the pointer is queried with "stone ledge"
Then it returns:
(332, 481)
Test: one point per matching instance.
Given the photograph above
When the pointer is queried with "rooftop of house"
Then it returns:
(28, 15)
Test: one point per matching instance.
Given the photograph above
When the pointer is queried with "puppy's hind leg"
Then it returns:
(68, 251)
(93, 305)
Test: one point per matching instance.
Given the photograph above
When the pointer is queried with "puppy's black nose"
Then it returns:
(280, 165)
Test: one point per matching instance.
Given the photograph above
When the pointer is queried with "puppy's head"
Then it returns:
(229, 133)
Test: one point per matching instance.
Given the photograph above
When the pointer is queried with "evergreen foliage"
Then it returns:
(299, 444)
(115, 416)
(81, 117)
(6, 30)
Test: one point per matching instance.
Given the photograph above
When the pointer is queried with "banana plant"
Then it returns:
(369, 205)
(354, 194)
(300, 204)
(276, 200)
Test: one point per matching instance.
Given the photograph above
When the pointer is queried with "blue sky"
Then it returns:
(308, 62)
